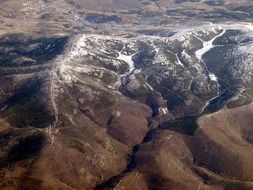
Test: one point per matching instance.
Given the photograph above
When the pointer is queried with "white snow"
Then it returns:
(148, 85)
(186, 56)
(179, 62)
(249, 26)
(213, 77)
(163, 111)
(208, 102)
(137, 71)
(128, 59)
(207, 46)
(52, 130)
(117, 114)
(78, 48)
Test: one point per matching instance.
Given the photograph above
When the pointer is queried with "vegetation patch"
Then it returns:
(27, 147)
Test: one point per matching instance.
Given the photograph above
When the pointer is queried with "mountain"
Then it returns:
(126, 95)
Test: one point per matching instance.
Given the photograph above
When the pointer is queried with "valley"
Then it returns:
(133, 95)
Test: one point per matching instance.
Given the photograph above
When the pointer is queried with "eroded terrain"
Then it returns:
(125, 100)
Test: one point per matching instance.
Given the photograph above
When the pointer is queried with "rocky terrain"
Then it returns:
(126, 95)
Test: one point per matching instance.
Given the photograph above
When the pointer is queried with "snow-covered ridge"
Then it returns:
(106, 47)
(177, 63)
(97, 46)
(85, 43)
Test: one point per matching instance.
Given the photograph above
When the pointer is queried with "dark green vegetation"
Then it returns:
(26, 108)
(226, 61)
(25, 103)
(20, 50)
(26, 148)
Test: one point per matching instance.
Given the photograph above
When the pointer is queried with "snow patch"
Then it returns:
(117, 114)
(213, 77)
(163, 111)
(128, 59)
(207, 46)
(186, 56)
(179, 61)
